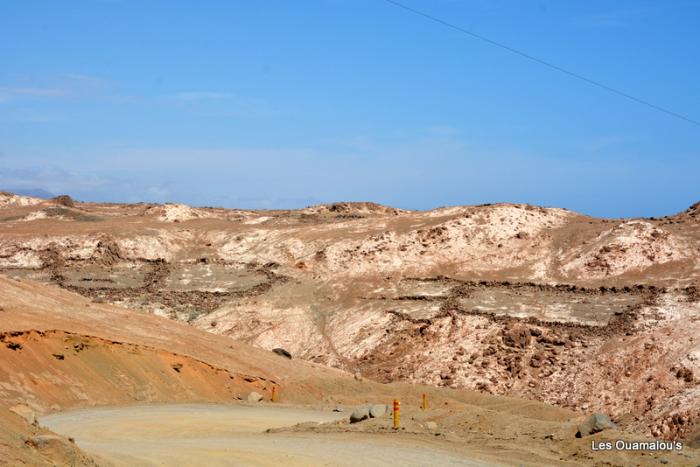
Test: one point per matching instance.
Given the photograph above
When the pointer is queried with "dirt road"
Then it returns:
(213, 435)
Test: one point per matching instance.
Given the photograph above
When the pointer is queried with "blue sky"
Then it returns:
(273, 103)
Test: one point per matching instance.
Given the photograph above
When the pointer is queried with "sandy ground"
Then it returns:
(207, 434)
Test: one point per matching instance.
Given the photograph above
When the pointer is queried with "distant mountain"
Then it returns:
(34, 192)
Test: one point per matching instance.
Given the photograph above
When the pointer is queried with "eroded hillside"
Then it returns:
(542, 303)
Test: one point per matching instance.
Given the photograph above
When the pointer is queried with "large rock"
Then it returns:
(364, 412)
(54, 447)
(378, 410)
(45, 441)
(282, 353)
(25, 412)
(594, 424)
(359, 414)
(64, 200)
(254, 397)
(518, 337)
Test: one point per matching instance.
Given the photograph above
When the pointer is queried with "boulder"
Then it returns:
(432, 426)
(64, 200)
(594, 424)
(44, 441)
(25, 412)
(518, 337)
(378, 410)
(54, 447)
(282, 353)
(359, 414)
(364, 412)
(254, 397)
(685, 374)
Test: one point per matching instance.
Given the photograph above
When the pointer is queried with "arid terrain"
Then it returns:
(516, 320)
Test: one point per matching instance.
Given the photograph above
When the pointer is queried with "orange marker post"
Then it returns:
(424, 402)
(274, 394)
(397, 419)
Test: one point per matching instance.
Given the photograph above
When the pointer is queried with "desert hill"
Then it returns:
(540, 303)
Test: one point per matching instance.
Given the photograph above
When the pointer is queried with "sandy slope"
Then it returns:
(24, 444)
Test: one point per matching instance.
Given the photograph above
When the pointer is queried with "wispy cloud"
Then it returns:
(596, 145)
(65, 85)
(159, 192)
(418, 172)
(85, 81)
(29, 115)
(223, 103)
(443, 130)
(53, 179)
(190, 96)
(10, 93)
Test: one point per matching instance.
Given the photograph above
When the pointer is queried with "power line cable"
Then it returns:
(543, 62)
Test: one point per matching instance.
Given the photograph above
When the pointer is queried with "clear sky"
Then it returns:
(278, 103)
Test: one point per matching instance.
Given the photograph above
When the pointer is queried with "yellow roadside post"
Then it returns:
(396, 414)
(424, 402)
(274, 394)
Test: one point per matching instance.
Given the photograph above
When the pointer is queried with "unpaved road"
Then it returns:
(212, 435)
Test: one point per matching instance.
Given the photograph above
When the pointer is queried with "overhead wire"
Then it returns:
(543, 62)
